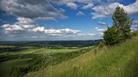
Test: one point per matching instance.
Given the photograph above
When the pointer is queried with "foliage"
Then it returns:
(111, 36)
(120, 29)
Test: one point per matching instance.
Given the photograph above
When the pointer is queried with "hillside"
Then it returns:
(17, 61)
(117, 61)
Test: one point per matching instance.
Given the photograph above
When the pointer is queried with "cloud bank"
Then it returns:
(48, 9)
(101, 11)
(26, 25)
(26, 11)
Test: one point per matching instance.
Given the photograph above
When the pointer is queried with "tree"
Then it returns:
(122, 22)
(120, 29)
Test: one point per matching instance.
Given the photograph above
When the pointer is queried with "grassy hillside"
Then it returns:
(117, 61)
(15, 62)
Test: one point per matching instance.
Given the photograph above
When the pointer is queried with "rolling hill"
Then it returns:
(120, 60)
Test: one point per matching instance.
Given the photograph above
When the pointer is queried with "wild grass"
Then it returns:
(117, 61)
(18, 63)
(120, 60)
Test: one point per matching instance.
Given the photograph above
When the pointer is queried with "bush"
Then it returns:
(111, 36)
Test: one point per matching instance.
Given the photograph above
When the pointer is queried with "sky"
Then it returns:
(42, 20)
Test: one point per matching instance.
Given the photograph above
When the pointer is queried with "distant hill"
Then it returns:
(54, 44)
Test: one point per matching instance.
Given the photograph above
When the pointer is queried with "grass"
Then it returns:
(117, 61)
(18, 63)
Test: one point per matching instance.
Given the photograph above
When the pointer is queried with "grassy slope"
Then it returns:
(117, 61)
(18, 63)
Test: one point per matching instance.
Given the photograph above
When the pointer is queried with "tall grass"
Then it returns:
(17, 64)
(117, 61)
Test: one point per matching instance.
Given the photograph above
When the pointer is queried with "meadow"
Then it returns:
(120, 60)
(18, 60)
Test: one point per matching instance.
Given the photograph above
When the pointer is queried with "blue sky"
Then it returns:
(22, 20)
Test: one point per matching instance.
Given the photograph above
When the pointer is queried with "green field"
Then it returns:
(120, 60)
(117, 61)
(20, 62)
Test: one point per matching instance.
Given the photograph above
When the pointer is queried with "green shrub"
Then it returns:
(111, 36)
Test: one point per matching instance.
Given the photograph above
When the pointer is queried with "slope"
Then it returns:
(116, 61)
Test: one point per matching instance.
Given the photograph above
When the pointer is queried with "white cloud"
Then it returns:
(61, 2)
(90, 5)
(55, 31)
(107, 10)
(9, 28)
(31, 9)
(100, 29)
(26, 25)
(132, 8)
(101, 23)
(19, 31)
(86, 34)
(38, 29)
(135, 22)
(40, 8)
(45, 8)
(103, 11)
(134, 26)
(72, 5)
(22, 20)
(80, 13)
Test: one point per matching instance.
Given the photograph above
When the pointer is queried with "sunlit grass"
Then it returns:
(18, 63)
(117, 61)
